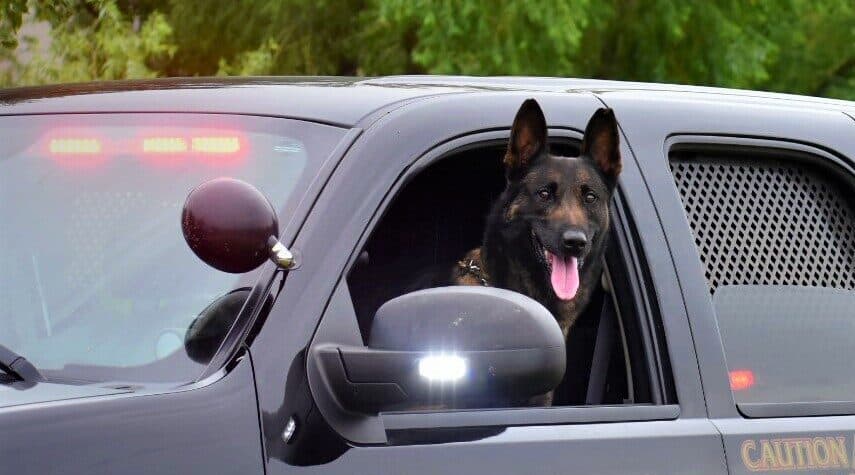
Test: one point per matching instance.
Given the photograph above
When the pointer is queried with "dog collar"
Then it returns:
(468, 266)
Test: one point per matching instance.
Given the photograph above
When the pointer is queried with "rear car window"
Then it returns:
(776, 236)
(96, 282)
(787, 344)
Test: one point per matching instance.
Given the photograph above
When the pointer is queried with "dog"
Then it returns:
(546, 234)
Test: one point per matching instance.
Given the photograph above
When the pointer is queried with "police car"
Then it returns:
(191, 269)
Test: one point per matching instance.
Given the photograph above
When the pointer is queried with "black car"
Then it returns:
(720, 342)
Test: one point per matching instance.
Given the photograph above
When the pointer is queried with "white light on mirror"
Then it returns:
(445, 368)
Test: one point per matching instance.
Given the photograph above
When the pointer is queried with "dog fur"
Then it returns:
(551, 205)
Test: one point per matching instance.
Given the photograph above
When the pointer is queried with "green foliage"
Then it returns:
(817, 49)
(251, 63)
(11, 16)
(311, 36)
(13, 13)
(97, 43)
(798, 46)
(536, 37)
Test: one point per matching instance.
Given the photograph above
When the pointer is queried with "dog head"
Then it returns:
(555, 210)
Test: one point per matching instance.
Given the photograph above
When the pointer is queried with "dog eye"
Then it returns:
(590, 197)
(545, 193)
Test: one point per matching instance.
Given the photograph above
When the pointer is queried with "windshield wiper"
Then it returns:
(18, 366)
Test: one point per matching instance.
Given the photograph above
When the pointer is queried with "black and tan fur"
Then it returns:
(547, 200)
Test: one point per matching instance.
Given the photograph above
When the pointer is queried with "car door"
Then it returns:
(302, 428)
(755, 197)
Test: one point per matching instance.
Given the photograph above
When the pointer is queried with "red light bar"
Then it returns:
(218, 145)
(741, 379)
(160, 146)
(75, 146)
(164, 145)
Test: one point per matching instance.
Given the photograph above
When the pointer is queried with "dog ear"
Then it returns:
(528, 139)
(601, 143)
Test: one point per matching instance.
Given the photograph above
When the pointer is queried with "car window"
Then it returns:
(437, 218)
(788, 344)
(776, 236)
(97, 282)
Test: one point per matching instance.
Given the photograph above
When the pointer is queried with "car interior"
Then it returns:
(439, 215)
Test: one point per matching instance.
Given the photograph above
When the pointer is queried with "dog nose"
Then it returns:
(574, 242)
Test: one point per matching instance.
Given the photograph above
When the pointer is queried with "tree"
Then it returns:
(798, 46)
(96, 41)
(11, 16)
(816, 43)
(13, 13)
(533, 37)
(265, 37)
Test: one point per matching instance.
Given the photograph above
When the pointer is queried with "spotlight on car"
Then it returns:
(442, 368)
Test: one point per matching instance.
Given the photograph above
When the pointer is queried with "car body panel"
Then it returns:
(336, 100)
(208, 428)
(223, 426)
(20, 392)
(829, 136)
(661, 447)
(824, 130)
(747, 443)
(342, 102)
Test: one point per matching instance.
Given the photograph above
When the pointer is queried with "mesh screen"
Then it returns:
(768, 222)
(96, 223)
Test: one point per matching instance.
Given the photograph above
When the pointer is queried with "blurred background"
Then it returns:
(796, 46)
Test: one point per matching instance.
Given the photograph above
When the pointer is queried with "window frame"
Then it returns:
(663, 405)
(751, 147)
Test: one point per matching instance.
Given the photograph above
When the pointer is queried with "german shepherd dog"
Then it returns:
(546, 234)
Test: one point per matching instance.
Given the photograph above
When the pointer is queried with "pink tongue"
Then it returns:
(565, 276)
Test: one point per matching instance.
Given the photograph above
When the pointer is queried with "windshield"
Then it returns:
(96, 282)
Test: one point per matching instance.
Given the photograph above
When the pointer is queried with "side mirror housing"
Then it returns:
(232, 227)
(450, 347)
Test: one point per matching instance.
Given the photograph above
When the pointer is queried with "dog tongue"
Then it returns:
(565, 276)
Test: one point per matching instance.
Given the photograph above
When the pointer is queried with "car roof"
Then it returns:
(333, 100)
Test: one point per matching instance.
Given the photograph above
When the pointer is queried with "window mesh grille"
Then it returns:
(768, 223)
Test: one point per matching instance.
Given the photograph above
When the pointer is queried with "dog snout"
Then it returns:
(574, 242)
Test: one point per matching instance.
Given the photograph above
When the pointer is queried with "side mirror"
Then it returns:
(207, 331)
(232, 227)
(451, 347)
